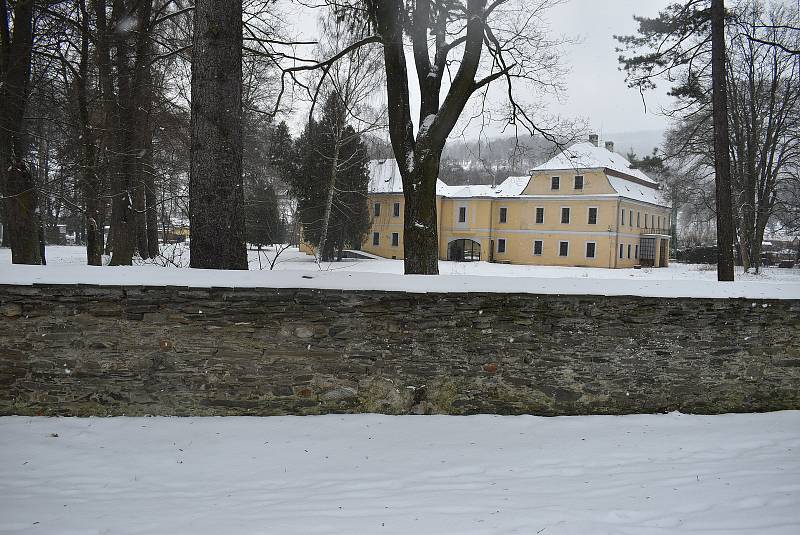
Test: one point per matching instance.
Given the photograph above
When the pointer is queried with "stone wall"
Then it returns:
(81, 350)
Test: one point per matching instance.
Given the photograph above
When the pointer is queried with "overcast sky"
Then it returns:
(596, 89)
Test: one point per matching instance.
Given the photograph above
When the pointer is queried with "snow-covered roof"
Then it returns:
(384, 177)
(513, 186)
(638, 192)
(588, 156)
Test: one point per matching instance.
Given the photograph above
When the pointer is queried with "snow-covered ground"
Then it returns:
(296, 269)
(336, 474)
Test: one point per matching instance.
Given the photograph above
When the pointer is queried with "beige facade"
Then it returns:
(586, 207)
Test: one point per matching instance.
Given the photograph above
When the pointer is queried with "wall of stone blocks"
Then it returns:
(93, 350)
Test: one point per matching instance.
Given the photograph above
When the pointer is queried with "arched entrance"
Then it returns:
(464, 251)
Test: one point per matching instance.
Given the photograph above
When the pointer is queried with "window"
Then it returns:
(646, 216)
(501, 245)
(540, 215)
(629, 251)
(395, 239)
(590, 249)
(555, 182)
(376, 236)
(503, 214)
(565, 215)
(659, 222)
(622, 217)
(621, 249)
(636, 254)
(462, 214)
(396, 209)
(638, 219)
(592, 216)
(563, 248)
(630, 218)
(579, 182)
(537, 247)
(376, 210)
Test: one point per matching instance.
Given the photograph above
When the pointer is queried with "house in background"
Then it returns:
(585, 207)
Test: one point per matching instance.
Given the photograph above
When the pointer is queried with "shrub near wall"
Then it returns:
(82, 350)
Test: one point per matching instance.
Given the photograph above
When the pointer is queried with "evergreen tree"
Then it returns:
(330, 183)
(263, 223)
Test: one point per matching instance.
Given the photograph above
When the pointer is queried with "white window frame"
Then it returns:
(466, 215)
(397, 234)
(569, 215)
(559, 249)
(575, 182)
(500, 215)
(622, 217)
(586, 252)
(535, 211)
(629, 251)
(558, 183)
(638, 219)
(596, 215)
(541, 247)
(396, 209)
(630, 218)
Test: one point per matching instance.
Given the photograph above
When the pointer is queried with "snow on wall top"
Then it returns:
(586, 155)
(342, 280)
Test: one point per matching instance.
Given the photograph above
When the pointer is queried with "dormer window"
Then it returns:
(555, 182)
(579, 182)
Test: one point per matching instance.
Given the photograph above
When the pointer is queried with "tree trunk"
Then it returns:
(722, 163)
(16, 182)
(142, 99)
(420, 229)
(216, 195)
(326, 218)
(91, 183)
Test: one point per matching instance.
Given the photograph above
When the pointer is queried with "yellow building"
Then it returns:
(584, 207)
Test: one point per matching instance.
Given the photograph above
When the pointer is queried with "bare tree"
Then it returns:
(352, 82)
(459, 49)
(16, 182)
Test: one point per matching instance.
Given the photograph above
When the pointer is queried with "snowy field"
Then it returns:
(293, 259)
(643, 474)
(296, 269)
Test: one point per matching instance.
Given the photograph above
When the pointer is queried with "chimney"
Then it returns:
(610, 146)
(594, 139)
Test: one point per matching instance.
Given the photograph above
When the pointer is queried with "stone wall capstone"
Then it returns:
(102, 350)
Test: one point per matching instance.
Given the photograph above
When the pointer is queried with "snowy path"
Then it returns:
(646, 474)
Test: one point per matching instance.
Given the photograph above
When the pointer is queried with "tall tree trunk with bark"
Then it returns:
(16, 181)
(722, 162)
(122, 214)
(216, 193)
(90, 181)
